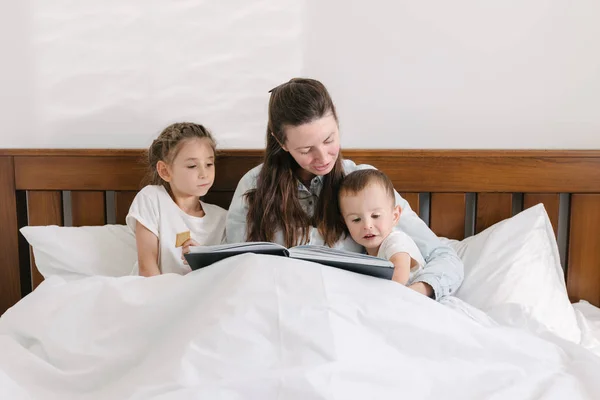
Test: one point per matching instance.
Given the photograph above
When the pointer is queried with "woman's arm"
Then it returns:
(235, 226)
(147, 248)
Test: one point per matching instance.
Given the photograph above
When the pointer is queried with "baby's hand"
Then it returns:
(185, 248)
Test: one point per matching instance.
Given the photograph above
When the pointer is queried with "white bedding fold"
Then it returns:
(261, 327)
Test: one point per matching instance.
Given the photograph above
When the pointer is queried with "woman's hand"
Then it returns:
(185, 248)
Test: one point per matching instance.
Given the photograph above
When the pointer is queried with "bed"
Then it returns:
(213, 335)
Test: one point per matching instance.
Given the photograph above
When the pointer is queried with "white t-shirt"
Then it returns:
(400, 242)
(154, 208)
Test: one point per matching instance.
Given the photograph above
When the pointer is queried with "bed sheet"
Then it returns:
(260, 327)
(588, 317)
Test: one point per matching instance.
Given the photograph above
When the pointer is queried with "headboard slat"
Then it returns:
(413, 201)
(88, 208)
(123, 199)
(43, 208)
(447, 216)
(583, 274)
(492, 208)
(551, 203)
(10, 276)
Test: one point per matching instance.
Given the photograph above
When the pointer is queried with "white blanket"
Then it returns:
(588, 318)
(261, 327)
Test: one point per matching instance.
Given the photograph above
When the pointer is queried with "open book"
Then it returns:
(201, 256)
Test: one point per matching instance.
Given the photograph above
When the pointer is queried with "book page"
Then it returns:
(326, 253)
(245, 246)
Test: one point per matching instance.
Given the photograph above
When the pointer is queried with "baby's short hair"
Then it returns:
(358, 180)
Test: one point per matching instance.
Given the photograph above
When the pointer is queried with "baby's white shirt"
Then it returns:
(154, 208)
(400, 242)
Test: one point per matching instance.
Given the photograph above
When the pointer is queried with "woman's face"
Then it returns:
(315, 145)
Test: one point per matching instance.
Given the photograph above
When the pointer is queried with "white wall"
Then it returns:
(113, 73)
(404, 74)
(462, 73)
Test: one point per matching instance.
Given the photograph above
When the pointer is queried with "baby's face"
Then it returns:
(370, 215)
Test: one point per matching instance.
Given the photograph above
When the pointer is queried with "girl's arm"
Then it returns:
(402, 263)
(147, 248)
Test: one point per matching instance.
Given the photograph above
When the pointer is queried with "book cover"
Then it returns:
(201, 256)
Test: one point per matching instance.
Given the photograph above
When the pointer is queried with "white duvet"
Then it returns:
(261, 327)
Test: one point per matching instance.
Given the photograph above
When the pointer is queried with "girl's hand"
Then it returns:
(185, 248)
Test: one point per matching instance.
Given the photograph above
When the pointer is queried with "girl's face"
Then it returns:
(192, 171)
(315, 145)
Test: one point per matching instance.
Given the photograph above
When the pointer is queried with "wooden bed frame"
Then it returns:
(458, 193)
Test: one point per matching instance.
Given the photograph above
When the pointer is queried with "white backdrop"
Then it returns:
(404, 74)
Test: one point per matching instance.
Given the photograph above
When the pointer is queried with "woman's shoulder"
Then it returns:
(351, 166)
(254, 171)
(249, 179)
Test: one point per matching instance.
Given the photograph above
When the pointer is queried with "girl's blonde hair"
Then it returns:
(166, 146)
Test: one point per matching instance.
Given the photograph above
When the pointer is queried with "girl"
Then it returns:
(167, 216)
(291, 198)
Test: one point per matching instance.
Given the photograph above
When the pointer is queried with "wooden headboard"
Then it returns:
(458, 193)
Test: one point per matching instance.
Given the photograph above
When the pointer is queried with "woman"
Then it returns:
(290, 199)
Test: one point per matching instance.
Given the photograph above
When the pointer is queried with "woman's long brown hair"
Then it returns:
(274, 204)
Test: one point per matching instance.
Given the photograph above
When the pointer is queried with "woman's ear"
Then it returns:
(163, 171)
(396, 213)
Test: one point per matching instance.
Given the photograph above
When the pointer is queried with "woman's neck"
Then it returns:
(305, 177)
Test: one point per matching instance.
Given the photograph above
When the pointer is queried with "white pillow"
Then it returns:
(72, 252)
(513, 273)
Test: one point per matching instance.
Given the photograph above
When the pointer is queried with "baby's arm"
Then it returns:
(402, 251)
(402, 263)
(147, 247)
